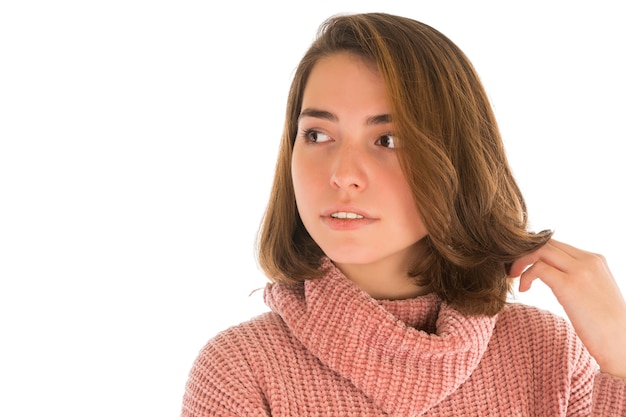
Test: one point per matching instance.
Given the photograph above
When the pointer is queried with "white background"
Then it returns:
(137, 147)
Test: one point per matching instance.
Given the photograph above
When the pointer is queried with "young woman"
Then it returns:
(392, 233)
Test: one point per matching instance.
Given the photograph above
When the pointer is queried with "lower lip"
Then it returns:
(347, 224)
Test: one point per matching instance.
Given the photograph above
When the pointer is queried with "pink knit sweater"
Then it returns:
(328, 349)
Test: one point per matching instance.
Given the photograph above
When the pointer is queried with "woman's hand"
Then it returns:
(585, 287)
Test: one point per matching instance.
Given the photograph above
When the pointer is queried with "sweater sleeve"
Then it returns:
(609, 396)
(603, 393)
(221, 382)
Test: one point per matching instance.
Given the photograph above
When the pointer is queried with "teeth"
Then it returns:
(346, 215)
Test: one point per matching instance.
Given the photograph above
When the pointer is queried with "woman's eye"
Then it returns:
(386, 141)
(315, 136)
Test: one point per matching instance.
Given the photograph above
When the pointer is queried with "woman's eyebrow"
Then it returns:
(318, 114)
(323, 114)
(381, 119)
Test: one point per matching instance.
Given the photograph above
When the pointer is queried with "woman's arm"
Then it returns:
(585, 287)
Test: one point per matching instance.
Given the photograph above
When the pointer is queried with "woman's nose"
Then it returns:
(348, 170)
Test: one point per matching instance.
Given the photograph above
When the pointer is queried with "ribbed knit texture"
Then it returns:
(328, 349)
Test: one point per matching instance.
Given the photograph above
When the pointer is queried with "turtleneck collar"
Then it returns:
(407, 355)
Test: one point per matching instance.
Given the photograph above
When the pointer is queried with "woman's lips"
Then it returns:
(346, 219)
(346, 215)
(346, 212)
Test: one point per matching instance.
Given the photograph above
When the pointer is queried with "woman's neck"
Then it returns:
(386, 279)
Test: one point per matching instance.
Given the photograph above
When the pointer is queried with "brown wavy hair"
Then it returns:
(451, 154)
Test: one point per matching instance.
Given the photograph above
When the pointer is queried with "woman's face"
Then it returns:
(351, 193)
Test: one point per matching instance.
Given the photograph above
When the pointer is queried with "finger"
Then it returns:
(584, 259)
(568, 249)
(548, 253)
(550, 275)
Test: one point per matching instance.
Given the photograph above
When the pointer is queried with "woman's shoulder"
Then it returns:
(239, 350)
(517, 309)
(528, 319)
(537, 330)
(250, 333)
(229, 370)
